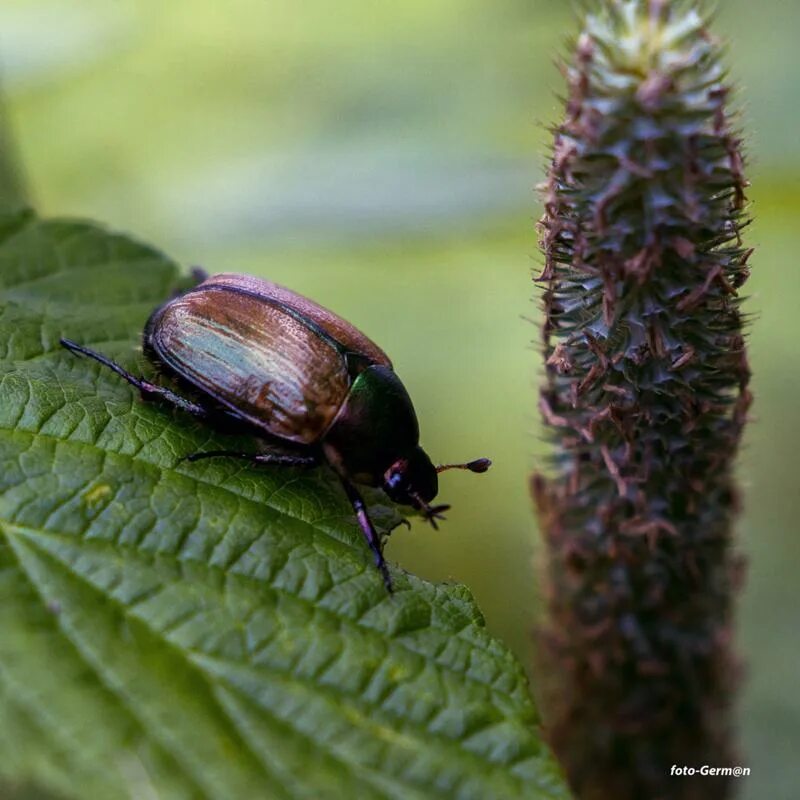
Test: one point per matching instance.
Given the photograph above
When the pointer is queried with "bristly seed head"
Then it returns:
(645, 397)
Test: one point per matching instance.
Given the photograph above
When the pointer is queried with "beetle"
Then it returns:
(309, 384)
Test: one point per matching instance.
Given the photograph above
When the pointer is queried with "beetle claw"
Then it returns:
(432, 513)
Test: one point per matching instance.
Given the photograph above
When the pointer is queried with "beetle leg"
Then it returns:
(370, 534)
(283, 459)
(147, 389)
(198, 275)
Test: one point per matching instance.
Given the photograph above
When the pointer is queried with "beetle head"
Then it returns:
(413, 481)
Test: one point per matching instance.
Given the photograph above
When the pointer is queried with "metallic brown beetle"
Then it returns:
(297, 375)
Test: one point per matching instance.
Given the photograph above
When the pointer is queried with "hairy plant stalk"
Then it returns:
(645, 398)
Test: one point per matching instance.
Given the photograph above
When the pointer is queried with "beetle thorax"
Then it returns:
(376, 427)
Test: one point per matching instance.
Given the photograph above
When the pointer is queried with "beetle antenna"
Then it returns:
(478, 465)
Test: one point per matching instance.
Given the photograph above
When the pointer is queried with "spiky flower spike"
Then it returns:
(646, 395)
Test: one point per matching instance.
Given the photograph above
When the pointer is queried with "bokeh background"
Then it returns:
(382, 158)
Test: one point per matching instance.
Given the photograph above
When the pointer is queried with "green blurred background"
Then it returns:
(382, 158)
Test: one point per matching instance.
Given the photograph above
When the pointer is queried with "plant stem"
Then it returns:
(13, 192)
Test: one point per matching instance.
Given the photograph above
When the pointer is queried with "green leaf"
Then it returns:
(180, 630)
